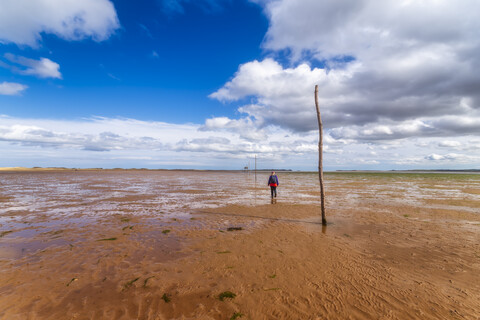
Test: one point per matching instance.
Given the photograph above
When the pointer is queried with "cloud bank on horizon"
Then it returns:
(397, 79)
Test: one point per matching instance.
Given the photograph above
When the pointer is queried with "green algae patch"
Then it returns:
(4, 233)
(166, 298)
(107, 239)
(226, 294)
(71, 281)
(129, 284)
(234, 229)
(146, 280)
(271, 289)
(236, 315)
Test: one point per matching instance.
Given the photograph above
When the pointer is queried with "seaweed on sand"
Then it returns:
(146, 280)
(107, 239)
(271, 289)
(236, 315)
(234, 229)
(3, 233)
(129, 283)
(166, 298)
(226, 294)
(166, 231)
(73, 279)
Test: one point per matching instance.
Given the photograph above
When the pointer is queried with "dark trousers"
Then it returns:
(273, 190)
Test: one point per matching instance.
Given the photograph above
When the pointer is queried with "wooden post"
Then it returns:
(255, 171)
(320, 158)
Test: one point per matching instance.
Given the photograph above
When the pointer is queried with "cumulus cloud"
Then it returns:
(386, 71)
(11, 88)
(284, 97)
(453, 157)
(43, 68)
(23, 21)
(368, 29)
(245, 127)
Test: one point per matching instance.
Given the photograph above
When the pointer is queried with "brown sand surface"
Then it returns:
(157, 245)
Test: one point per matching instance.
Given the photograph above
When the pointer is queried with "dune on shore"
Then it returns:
(376, 259)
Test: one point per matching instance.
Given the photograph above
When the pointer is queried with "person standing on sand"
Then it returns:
(273, 183)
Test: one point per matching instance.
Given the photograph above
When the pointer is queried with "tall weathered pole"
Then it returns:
(320, 158)
(255, 171)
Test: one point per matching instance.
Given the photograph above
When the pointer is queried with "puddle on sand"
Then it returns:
(16, 250)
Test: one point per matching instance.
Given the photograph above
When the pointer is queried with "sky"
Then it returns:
(212, 84)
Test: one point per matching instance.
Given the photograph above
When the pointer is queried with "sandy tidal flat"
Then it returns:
(210, 245)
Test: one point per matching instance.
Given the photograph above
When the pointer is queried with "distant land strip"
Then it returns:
(18, 169)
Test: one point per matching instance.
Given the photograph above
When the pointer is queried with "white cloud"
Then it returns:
(128, 142)
(452, 157)
(23, 21)
(392, 70)
(449, 144)
(281, 96)
(43, 68)
(284, 97)
(105, 134)
(11, 88)
(245, 127)
(369, 29)
(435, 157)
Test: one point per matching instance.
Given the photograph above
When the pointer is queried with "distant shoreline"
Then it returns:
(51, 169)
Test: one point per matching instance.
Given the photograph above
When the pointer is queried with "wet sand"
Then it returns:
(157, 245)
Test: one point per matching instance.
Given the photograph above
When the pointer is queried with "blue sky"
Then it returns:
(212, 83)
(157, 62)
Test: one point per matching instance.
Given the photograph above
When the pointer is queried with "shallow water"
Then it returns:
(33, 203)
(98, 193)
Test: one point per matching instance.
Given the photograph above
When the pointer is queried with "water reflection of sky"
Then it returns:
(98, 193)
